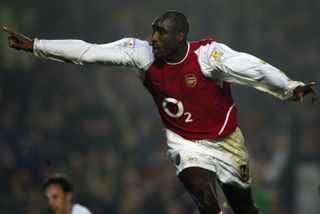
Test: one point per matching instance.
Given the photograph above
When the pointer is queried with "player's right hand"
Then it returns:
(18, 41)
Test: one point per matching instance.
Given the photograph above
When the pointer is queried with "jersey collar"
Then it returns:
(176, 63)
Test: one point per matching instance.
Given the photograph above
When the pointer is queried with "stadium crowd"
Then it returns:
(99, 126)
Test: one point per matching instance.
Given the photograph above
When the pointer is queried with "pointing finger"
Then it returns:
(14, 34)
(8, 30)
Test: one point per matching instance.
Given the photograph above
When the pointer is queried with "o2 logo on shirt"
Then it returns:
(174, 108)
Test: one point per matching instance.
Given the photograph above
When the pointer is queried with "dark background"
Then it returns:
(100, 126)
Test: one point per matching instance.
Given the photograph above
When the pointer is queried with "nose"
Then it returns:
(155, 37)
(50, 203)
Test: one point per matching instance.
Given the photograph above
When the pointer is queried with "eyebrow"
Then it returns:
(158, 28)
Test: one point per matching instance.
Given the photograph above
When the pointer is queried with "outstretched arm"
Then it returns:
(129, 52)
(220, 62)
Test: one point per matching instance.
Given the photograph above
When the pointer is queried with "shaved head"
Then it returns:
(176, 19)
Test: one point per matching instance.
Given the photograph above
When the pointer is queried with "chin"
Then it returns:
(161, 55)
(157, 54)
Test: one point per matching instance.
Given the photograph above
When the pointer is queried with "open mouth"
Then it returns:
(155, 49)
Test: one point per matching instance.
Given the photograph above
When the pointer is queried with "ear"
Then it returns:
(70, 196)
(181, 37)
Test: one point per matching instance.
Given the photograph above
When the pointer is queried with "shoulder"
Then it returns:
(209, 49)
(137, 50)
(136, 43)
(79, 209)
(195, 45)
(131, 43)
(142, 51)
(211, 55)
(202, 42)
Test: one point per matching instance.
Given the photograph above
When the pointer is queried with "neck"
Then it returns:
(68, 208)
(179, 54)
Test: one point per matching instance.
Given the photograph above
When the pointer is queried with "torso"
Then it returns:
(190, 104)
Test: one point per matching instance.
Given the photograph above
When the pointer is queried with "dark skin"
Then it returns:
(200, 182)
(167, 42)
(170, 45)
(18, 41)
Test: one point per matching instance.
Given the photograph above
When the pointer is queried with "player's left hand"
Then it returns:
(300, 91)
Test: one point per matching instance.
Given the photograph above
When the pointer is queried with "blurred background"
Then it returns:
(100, 126)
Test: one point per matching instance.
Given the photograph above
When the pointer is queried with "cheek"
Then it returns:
(167, 45)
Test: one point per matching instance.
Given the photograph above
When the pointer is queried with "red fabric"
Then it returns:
(204, 103)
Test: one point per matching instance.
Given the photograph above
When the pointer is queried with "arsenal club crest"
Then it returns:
(190, 80)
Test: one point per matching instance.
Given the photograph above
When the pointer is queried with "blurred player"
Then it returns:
(59, 195)
(190, 84)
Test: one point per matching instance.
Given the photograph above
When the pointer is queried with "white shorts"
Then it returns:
(227, 157)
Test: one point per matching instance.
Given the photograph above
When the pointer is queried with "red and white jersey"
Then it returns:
(190, 104)
(188, 94)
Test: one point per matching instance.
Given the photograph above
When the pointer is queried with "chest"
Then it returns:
(183, 80)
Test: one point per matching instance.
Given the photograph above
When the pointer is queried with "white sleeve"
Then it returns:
(218, 61)
(128, 52)
(79, 209)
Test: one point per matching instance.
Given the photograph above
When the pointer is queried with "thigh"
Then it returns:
(200, 183)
